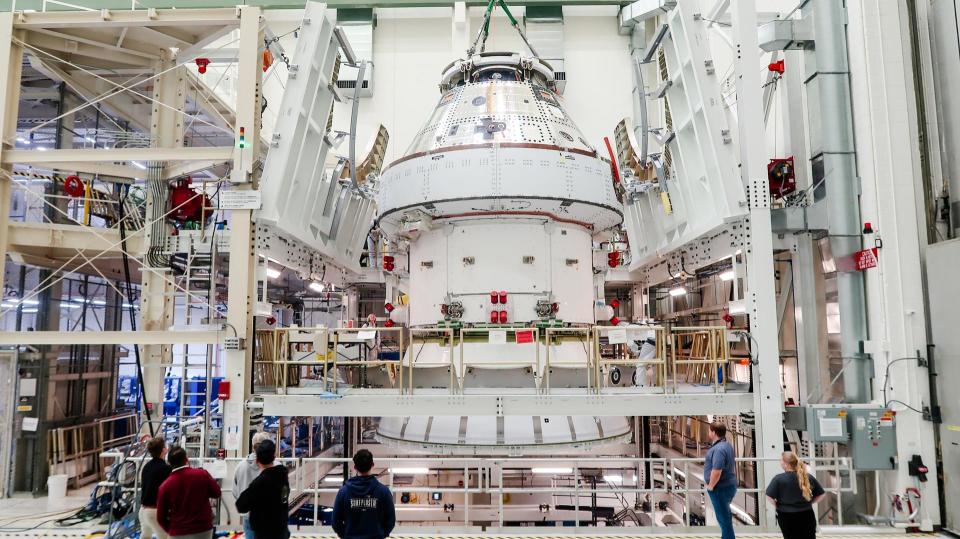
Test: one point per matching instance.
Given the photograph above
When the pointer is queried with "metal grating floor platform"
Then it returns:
(74, 533)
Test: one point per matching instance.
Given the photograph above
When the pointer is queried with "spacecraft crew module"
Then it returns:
(497, 203)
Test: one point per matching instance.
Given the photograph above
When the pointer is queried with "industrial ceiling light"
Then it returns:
(552, 470)
(316, 286)
(333, 479)
(737, 307)
(727, 275)
(272, 273)
(615, 478)
(409, 471)
(678, 291)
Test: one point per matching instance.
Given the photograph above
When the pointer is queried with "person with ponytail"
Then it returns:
(793, 493)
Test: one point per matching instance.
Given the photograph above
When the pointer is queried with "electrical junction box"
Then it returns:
(873, 438)
(827, 423)
(234, 343)
(795, 418)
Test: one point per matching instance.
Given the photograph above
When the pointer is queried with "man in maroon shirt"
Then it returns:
(183, 503)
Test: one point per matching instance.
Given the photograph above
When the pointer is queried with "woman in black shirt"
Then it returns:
(793, 493)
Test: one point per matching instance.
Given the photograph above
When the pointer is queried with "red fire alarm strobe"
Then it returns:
(223, 390)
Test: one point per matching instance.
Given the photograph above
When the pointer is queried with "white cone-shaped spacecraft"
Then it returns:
(499, 198)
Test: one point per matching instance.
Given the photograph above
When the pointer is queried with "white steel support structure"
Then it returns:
(156, 293)
(882, 85)
(9, 109)
(761, 292)
(238, 368)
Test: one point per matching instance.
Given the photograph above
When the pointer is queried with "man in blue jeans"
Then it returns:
(720, 474)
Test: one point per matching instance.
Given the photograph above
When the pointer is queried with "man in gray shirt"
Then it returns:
(245, 473)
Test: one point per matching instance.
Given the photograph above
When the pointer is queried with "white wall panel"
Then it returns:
(410, 54)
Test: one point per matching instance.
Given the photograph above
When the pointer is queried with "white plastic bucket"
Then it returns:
(57, 487)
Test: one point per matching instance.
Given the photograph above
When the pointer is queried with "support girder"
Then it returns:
(200, 153)
(112, 13)
(62, 240)
(5, 5)
(74, 47)
(53, 338)
(89, 88)
(364, 403)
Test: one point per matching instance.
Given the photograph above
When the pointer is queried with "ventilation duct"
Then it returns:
(544, 28)
(357, 25)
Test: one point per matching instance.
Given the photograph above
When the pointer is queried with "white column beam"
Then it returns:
(11, 63)
(888, 152)
(241, 285)
(761, 291)
(156, 301)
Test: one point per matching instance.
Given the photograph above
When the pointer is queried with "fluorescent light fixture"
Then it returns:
(42, 148)
(69, 306)
(273, 273)
(552, 470)
(30, 302)
(409, 471)
(677, 471)
(98, 302)
(127, 305)
(678, 291)
(727, 275)
(8, 305)
(333, 479)
(88, 139)
(327, 510)
(316, 286)
(139, 165)
(614, 478)
(29, 311)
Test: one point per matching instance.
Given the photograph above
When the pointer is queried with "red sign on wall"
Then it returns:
(865, 259)
(524, 337)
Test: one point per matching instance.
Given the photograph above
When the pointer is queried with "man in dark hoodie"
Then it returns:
(266, 499)
(364, 507)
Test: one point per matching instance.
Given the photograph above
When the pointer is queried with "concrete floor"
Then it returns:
(24, 516)
(23, 511)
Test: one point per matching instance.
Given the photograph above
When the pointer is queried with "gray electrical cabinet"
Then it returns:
(873, 438)
(827, 423)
